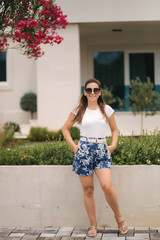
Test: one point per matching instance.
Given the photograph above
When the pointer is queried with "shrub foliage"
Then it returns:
(28, 102)
(43, 134)
(130, 150)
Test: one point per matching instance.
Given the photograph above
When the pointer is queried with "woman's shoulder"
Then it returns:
(109, 110)
(74, 111)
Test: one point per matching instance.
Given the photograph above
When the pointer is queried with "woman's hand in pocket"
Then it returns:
(75, 149)
(110, 148)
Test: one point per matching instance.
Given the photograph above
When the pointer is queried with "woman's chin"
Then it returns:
(92, 98)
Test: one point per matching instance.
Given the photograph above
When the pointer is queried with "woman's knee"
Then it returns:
(88, 191)
(107, 188)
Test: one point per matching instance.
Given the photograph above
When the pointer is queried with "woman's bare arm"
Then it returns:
(65, 130)
(114, 131)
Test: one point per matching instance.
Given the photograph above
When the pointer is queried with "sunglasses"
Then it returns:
(95, 90)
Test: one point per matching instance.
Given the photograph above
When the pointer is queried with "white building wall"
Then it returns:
(21, 78)
(58, 78)
(42, 196)
(58, 73)
(110, 10)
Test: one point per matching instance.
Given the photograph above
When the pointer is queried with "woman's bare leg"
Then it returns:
(104, 176)
(88, 190)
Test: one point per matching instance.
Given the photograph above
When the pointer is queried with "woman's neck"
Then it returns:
(93, 106)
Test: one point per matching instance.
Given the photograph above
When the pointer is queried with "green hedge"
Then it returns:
(142, 150)
(130, 150)
(46, 153)
(42, 134)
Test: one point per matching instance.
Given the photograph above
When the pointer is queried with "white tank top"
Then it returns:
(94, 123)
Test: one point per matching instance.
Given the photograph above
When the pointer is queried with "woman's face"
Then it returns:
(92, 92)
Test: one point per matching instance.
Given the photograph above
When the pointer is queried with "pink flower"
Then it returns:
(30, 32)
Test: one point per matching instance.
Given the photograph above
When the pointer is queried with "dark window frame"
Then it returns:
(3, 67)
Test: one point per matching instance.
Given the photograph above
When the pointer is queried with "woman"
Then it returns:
(92, 154)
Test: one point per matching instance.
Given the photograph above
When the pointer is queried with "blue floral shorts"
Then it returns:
(93, 156)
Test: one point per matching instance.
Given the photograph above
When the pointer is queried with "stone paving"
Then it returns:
(77, 233)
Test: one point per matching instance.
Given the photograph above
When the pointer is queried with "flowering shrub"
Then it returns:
(30, 23)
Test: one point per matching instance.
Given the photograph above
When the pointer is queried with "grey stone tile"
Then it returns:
(4, 235)
(133, 238)
(100, 228)
(137, 238)
(50, 231)
(114, 238)
(47, 235)
(66, 229)
(99, 236)
(37, 230)
(16, 235)
(110, 230)
(145, 235)
(82, 229)
(10, 238)
(78, 234)
(141, 229)
(54, 229)
(22, 230)
(72, 238)
(47, 238)
(130, 231)
(7, 229)
(106, 235)
(63, 234)
(30, 236)
(155, 236)
(153, 230)
(52, 238)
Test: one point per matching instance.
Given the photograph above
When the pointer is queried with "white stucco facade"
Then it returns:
(58, 76)
(21, 78)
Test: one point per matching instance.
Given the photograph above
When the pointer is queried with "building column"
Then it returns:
(58, 79)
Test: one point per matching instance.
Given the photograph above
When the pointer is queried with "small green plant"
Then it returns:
(143, 98)
(43, 134)
(28, 102)
(110, 99)
(53, 135)
(6, 136)
(12, 125)
(38, 134)
(75, 132)
(108, 95)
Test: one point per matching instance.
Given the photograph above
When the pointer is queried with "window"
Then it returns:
(109, 69)
(142, 66)
(3, 67)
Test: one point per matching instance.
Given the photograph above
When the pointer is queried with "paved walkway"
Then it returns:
(77, 233)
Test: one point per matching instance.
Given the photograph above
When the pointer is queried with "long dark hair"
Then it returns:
(81, 108)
